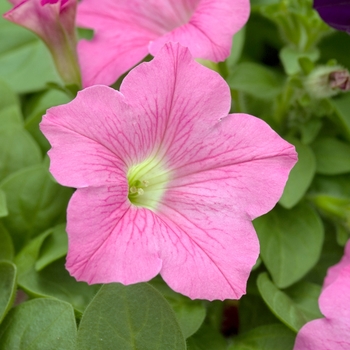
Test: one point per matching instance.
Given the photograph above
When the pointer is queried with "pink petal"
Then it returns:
(332, 332)
(333, 271)
(95, 138)
(123, 30)
(126, 30)
(335, 299)
(323, 334)
(209, 32)
(206, 241)
(109, 239)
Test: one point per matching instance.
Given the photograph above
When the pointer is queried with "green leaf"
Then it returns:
(290, 59)
(11, 116)
(253, 313)
(25, 62)
(341, 105)
(39, 324)
(291, 242)
(7, 287)
(300, 177)
(54, 280)
(330, 255)
(295, 306)
(268, 337)
(129, 317)
(309, 130)
(54, 247)
(332, 156)
(190, 313)
(35, 203)
(6, 246)
(19, 150)
(207, 338)
(3, 205)
(7, 97)
(334, 186)
(36, 108)
(256, 80)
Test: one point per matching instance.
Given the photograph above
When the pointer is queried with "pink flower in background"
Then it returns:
(54, 22)
(333, 331)
(167, 181)
(125, 31)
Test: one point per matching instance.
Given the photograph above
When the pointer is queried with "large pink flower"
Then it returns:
(333, 331)
(167, 182)
(54, 22)
(127, 30)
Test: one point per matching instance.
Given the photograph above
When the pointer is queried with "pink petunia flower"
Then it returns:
(54, 22)
(331, 332)
(167, 181)
(127, 30)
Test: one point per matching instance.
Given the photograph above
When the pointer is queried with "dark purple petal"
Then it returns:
(335, 13)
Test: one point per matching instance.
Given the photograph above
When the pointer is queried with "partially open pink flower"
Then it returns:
(167, 181)
(54, 22)
(127, 30)
(333, 331)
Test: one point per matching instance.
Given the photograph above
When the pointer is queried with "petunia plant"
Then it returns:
(172, 206)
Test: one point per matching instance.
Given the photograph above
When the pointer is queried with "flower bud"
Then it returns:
(327, 81)
(54, 22)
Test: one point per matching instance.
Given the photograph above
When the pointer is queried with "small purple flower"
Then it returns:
(335, 13)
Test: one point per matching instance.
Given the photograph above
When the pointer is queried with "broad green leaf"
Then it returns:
(294, 306)
(256, 80)
(290, 242)
(343, 233)
(334, 186)
(300, 177)
(309, 130)
(7, 287)
(268, 337)
(330, 255)
(39, 324)
(207, 338)
(26, 258)
(3, 205)
(53, 280)
(341, 105)
(35, 203)
(128, 318)
(19, 150)
(6, 246)
(11, 116)
(290, 59)
(53, 248)
(253, 313)
(35, 110)
(25, 62)
(190, 313)
(7, 97)
(332, 156)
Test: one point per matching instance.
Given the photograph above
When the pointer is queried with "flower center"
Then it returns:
(147, 183)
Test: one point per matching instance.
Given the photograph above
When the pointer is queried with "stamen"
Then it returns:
(133, 189)
(140, 191)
